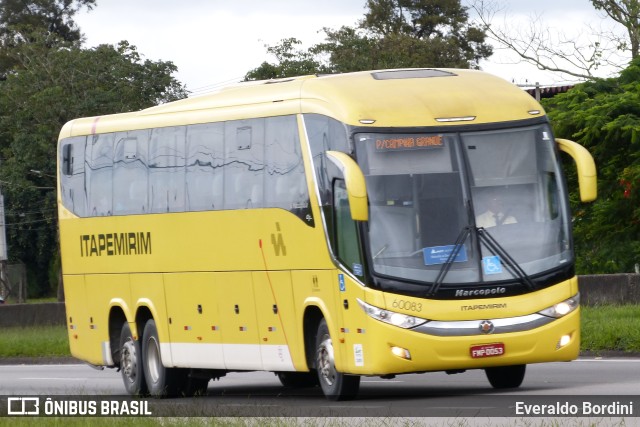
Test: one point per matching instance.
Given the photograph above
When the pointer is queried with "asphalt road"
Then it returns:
(434, 394)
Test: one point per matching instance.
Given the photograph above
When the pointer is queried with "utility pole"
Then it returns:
(4, 276)
(3, 234)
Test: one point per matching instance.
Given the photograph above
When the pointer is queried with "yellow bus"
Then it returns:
(323, 228)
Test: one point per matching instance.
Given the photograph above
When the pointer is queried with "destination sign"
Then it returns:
(408, 142)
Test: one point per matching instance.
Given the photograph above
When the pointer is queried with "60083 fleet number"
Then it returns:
(407, 305)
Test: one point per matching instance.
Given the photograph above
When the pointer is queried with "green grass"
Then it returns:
(12, 300)
(39, 341)
(604, 328)
(611, 328)
(310, 422)
(149, 421)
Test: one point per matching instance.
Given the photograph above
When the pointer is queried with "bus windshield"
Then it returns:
(484, 206)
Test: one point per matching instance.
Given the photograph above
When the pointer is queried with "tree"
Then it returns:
(407, 33)
(21, 21)
(53, 80)
(410, 33)
(584, 55)
(54, 16)
(392, 34)
(604, 116)
(626, 13)
(290, 62)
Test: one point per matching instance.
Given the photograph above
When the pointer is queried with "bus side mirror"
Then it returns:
(587, 175)
(356, 186)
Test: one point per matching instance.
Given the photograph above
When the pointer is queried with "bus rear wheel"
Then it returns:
(161, 381)
(506, 376)
(335, 385)
(131, 363)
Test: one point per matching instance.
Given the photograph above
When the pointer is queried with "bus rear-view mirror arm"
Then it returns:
(587, 175)
(355, 182)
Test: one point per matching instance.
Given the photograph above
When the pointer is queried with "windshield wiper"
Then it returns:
(462, 237)
(492, 244)
(384, 248)
(512, 265)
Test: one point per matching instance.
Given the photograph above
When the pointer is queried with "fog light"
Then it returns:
(403, 353)
(564, 340)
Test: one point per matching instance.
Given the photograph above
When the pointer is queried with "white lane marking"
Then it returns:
(29, 366)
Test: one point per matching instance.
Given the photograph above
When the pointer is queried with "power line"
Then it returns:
(26, 186)
(213, 87)
(20, 213)
(35, 221)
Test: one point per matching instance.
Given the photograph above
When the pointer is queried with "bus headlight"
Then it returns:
(562, 308)
(391, 317)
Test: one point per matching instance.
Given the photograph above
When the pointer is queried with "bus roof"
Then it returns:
(383, 98)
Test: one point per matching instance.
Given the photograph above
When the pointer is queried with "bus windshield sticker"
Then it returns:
(440, 254)
(492, 265)
(408, 142)
(357, 269)
(341, 282)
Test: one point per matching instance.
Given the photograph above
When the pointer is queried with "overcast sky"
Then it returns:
(214, 42)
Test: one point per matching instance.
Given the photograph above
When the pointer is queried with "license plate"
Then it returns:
(487, 350)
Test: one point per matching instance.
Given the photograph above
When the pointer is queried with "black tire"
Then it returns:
(506, 376)
(298, 379)
(335, 385)
(131, 366)
(161, 381)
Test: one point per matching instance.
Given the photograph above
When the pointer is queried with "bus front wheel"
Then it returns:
(131, 363)
(506, 376)
(335, 385)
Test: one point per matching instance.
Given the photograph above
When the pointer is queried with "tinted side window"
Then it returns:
(130, 174)
(285, 180)
(74, 195)
(100, 174)
(205, 158)
(244, 164)
(325, 134)
(283, 177)
(346, 232)
(166, 169)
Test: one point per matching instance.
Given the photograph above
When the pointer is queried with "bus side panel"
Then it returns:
(276, 320)
(102, 288)
(195, 335)
(318, 288)
(356, 347)
(239, 324)
(147, 290)
(76, 308)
